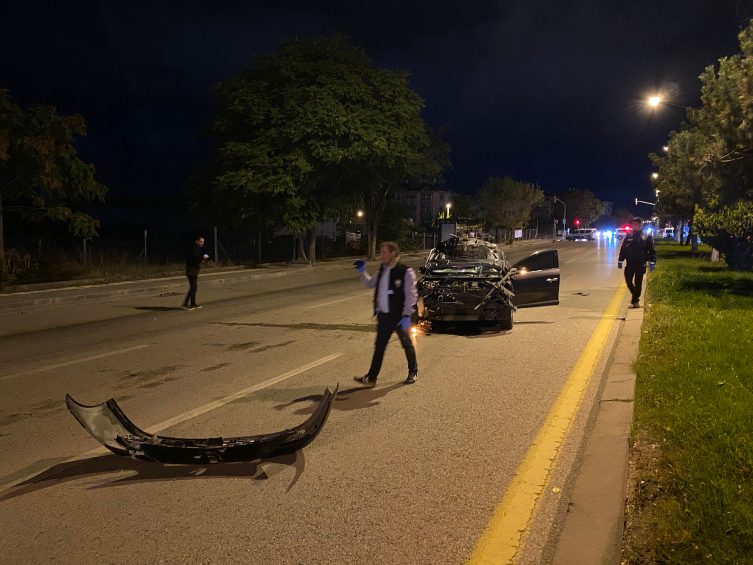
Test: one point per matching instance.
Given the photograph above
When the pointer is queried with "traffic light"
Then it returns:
(577, 222)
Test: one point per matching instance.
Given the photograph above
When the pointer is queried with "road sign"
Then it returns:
(556, 221)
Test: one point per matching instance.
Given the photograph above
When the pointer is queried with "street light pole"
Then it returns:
(564, 214)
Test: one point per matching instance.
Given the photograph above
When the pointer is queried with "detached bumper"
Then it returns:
(111, 427)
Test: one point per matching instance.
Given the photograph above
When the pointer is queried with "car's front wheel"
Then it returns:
(505, 320)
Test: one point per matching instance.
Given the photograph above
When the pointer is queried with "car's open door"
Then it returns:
(537, 282)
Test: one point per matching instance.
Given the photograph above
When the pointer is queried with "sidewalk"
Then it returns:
(592, 531)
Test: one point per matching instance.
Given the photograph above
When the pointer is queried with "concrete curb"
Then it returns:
(592, 531)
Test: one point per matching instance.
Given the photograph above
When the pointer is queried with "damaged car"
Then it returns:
(469, 280)
(108, 424)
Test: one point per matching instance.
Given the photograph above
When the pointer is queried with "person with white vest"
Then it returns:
(395, 297)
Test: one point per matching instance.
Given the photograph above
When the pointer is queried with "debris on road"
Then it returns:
(111, 427)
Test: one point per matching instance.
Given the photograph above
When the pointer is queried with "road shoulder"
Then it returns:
(592, 530)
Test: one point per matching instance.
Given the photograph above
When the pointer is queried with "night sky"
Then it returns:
(546, 92)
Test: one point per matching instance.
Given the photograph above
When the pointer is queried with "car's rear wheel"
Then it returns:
(505, 320)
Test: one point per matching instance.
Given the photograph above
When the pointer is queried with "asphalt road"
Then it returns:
(399, 475)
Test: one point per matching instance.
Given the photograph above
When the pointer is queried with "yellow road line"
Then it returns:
(512, 517)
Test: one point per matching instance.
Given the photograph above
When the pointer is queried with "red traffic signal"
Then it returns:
(577, 222)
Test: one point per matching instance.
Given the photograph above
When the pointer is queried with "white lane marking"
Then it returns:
(360, 294)
(581, 257)
(236, 395)
(187, 415)
(67, 363)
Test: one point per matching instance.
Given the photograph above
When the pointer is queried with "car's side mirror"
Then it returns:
(422, 270)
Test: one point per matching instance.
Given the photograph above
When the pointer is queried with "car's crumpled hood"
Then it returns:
(464, 269)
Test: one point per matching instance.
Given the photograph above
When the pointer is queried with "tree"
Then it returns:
(464, 206)
(729, 230)
(508, 203)
(40, 172)
(708, 167)
(311, 132)
(688, 176)
(623, 216)
(424, 168)
(395, 223)
(582, 205)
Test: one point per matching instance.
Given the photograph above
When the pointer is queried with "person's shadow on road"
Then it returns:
(147, 472)
(351, 399)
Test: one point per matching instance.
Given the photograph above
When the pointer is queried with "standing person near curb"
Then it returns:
(636, 249)
(395, 297)
(194, 258)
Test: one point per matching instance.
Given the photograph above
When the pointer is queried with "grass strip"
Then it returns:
(694, 398)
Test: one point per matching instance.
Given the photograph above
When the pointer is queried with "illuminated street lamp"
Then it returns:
(655, 176)
(655, 101)
(360, 214)
(448, 210)
(665, 148)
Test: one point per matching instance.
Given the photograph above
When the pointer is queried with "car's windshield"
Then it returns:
(469, 252)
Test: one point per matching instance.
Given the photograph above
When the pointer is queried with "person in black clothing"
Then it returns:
(194, 258)
(395, 297)
(636, 249)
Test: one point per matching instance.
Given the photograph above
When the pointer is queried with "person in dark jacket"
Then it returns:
(395, 297)
(194, 258)
(637, 248)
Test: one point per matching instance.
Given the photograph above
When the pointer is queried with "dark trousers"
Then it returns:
(635, 272)
(191, 296)
(386, 324)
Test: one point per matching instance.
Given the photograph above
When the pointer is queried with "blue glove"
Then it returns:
(405, 323)
(360, 265)
(619, 264)
(651, 266)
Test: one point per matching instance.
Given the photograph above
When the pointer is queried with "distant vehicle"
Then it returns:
(585, 233)
(620, 233)
(669, 233)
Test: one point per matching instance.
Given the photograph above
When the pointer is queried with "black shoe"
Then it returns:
(195, 307)
(366, 380)
(412, 376)
(636, 304)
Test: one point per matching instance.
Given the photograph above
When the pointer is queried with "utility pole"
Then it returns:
(145, 256)
(564, 215)
(259, 247)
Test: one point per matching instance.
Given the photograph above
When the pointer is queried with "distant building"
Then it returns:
(426, 204)
(608, 206)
